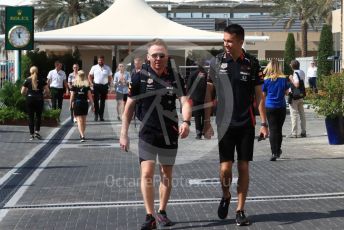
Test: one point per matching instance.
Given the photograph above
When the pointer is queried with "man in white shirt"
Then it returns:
(100, 78)
(56, 81)
(312, 76)
(296, 107)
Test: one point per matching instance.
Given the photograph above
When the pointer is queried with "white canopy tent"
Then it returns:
(16, 2)
(129, 22)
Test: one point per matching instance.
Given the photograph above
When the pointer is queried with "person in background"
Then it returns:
(275, 89)
(137, 65)
(121, 82)
(100, 78)
(296, 106)
(71, 78)
(57, 82)
(34, 88)
(196, 87)
(312, 76)
(80, 93)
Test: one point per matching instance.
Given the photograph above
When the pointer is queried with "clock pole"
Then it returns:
(19, 32)
(17, 62)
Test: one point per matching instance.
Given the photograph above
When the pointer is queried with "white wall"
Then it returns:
(305, 62)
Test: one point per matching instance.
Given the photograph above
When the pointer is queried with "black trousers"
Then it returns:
(313, 84)
(276, 119)
(100, 92)
(198, 112)
(34, 108)
(56, 97)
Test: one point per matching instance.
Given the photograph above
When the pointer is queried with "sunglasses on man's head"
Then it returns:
(156, 55)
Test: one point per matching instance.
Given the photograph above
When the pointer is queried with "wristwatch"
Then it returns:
(187, 122)
(264, 124)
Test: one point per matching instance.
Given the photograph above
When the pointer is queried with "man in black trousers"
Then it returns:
(100, 78)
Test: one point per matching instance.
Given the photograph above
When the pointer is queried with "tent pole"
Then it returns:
(114, 59)
(129, 48)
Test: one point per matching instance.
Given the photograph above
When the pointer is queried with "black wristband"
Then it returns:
(187, 122)
(264, 124)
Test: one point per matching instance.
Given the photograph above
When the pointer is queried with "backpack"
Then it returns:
(143, 84)
(298, 92)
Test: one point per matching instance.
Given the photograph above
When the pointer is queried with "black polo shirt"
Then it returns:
(234, 83)
(156, 97)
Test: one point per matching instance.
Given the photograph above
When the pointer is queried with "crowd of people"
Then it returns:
(149, 92)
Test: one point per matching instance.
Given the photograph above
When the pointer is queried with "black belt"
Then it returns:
(100, 84)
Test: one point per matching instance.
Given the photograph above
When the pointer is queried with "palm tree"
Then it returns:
(63, 13)
(2, 31)
(99, 6)
(309, 12)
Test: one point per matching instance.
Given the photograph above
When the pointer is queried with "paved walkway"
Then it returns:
(60, 183)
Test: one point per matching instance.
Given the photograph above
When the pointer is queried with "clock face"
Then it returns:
(19, 36)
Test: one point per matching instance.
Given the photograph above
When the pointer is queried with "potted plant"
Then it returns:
(329, 102)
(51, 117)
(12, 108)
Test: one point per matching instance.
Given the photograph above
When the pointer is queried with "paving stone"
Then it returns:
(97, 172)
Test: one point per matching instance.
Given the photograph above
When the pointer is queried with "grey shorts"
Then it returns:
(153, 144)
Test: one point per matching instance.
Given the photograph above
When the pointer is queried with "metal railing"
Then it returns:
(337, 65)
(186, 70)
(6, 71)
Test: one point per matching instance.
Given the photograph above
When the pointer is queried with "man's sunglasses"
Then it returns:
(156, 55)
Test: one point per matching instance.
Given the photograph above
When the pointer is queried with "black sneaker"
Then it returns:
(162, 219)
(303, 135)
(279, 153)
(273, 157)
(82, 139)
(149, 223)
(241, 218)
(101, 119)
(222, 211)
(38, 136)
(32, 137)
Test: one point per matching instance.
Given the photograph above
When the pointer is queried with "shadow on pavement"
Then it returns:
(50, 167)
(314, 158)
(294, 217)
(203, 224)
(13, 131)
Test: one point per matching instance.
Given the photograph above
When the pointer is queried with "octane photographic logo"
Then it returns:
(165, 142)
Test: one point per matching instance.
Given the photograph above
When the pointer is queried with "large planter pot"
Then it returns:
(335, 130)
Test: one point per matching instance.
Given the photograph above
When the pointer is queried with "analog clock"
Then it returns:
(19, 36)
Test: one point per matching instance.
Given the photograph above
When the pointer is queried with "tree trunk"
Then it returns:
(304, 30)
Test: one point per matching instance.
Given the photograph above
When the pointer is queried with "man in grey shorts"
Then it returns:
(154, 91)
